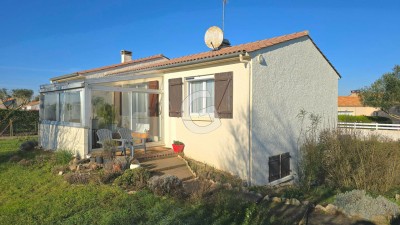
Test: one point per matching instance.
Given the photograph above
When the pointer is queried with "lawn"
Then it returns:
(33, 194)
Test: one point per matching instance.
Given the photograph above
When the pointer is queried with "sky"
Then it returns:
(47, 38)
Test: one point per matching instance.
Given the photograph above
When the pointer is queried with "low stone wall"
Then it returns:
(55, 137)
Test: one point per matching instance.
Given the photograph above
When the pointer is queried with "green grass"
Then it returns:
(32, 194)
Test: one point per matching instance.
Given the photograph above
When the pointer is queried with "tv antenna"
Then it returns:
(223, 14)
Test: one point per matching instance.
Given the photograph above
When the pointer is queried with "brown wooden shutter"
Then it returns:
(285, 165)
(224, 94)
(274, 168)
(175, 97)
(153, 100)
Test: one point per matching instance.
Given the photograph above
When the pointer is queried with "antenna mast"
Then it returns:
(223, 14)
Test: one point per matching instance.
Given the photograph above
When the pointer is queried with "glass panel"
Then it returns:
(50, 106)
(210, 98)
(104, 112)
(196, 103)
(70, 107)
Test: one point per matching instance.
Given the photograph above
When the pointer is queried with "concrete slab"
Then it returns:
(163, 164)
(182, 173)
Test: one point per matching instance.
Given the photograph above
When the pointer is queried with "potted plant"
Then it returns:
(178, 146)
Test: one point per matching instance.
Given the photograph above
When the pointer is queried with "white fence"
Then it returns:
(370, 126)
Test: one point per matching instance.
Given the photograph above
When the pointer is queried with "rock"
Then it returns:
(331, 209)
(131, 192)
(73, 167)
(93, 166)
(276, 199)
(60, 173)
(266, 198)
(27, 146)
(320, 207)
(305, 202)
(227, 186)
(295, 202)
(397, 197)
(78, 167)
(380, 220)
(287, 201)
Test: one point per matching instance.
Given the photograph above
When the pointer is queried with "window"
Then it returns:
(63, 106)
(50, 106)
(279, 166)
(201, 94)
(70, 109)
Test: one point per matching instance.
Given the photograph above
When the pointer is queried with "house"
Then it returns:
(235, 108)
(8, 103)
(33, 105)
(352, 105)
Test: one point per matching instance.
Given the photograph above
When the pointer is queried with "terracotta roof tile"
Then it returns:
(123, 64)
(248, 47)
(349, 101)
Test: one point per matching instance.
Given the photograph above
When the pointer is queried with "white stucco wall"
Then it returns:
(292, 76)
(227, 147)
(54, 137)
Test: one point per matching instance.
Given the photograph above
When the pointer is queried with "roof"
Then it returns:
(32, 103)
(349, 101)
(159, 56)
(242, 48)
(248, 47)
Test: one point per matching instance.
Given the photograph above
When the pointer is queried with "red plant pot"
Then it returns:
(178, 148)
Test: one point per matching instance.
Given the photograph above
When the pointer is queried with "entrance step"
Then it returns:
(163, 164)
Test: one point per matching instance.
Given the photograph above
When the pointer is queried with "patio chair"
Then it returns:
(131, 141)
(105, 134)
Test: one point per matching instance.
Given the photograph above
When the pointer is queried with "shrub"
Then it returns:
(363, 119)
(15, 158)
(344, 159)
(62, 157)
(109, 176)
(135, 178)
(166, 184)
(77, 178)
(358, 203)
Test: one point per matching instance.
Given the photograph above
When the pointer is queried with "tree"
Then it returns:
(384, 93)
(19, 97)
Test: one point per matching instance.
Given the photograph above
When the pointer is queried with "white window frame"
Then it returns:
(204, 78)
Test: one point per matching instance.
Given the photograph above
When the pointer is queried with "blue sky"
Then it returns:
(43, 39)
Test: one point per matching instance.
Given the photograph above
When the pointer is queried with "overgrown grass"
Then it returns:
(32, 194)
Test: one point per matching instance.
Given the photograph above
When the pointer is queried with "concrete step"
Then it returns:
(163, 164)
(182, 173)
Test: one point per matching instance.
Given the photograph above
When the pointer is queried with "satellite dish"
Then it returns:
(214, 37)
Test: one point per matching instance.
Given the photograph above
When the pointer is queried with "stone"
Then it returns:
(276, 199)
(227, 186)
(331, 209)
(305, 202)
(287, 201)
(60, 173)
(295, 202)
(131, 192)
(266, 198)
(397, 197)
(73, 167)
(320, 207)
(93, 166)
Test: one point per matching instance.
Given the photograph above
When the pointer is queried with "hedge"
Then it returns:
(24, 122)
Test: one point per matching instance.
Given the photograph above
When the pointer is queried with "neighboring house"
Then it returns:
(9, 103)
(352, 105)
(235, 108)
(33, 105)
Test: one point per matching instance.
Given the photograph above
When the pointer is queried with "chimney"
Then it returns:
(126, 56)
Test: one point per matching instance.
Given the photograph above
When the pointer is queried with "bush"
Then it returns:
(166, 184)
(135, 178)
(28, 145)
(363, 119)
(358, 203)
(109, 176)
(62, 157)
